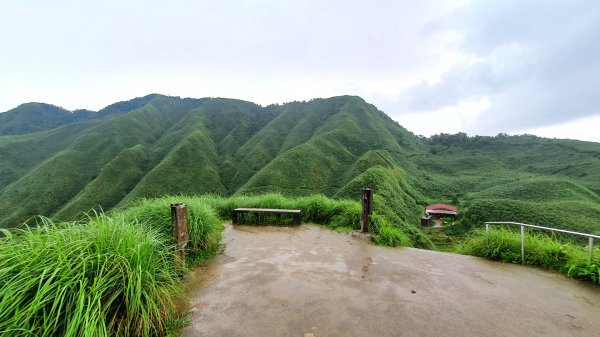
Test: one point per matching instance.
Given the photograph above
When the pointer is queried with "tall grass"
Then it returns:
(109, 277)
(115, 276)
(317, 209)
(388, 234)
(540, 250)
(204, 224)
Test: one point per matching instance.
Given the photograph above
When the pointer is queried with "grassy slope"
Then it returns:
(498, 160)
(156, 145)
(20, 154)
(341, 131)
(515, 178)
(351, 146)
(200, 160)
(48, 187)
(538, 190)
(36, 117)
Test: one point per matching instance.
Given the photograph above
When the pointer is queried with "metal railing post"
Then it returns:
(591, 247)
(522, 244)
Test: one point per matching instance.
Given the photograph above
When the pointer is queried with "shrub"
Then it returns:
(540, 250)
(388, 234)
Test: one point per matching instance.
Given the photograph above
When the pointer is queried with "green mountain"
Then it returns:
(34, 117)
(59, 163)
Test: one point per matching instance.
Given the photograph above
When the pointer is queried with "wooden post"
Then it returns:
(179, 218)
(367, 208)
(234, 217)
(297, 219)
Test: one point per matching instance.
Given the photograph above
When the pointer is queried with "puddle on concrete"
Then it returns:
(202, 275)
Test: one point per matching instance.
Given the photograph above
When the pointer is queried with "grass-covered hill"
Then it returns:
(59, 163)
(517, 178)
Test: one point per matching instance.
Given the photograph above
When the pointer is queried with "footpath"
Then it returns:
(310, 281)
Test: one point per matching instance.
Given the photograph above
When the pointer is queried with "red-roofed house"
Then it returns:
(437, 211)
(441, 209)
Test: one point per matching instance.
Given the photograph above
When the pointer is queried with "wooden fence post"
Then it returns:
(367, 208)
(179, 218)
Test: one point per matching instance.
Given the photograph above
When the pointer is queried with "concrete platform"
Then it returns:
(310, 281)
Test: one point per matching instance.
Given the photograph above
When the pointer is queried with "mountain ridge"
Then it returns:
(156, 145)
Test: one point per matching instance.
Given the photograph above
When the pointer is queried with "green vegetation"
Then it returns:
(574, 215)
(316, 209)
(166, 145)
(115, 276)
(538, 190)
(343, 215)
(157, 145)
(107, 277)
(388, 234)
(204, 224)
(540, 250)
(35, 117)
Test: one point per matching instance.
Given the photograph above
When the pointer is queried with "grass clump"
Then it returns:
(540, 250)
(109, 277)
(388, 234)
(204, 224)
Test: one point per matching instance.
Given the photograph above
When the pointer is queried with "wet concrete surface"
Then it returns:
(311, 281)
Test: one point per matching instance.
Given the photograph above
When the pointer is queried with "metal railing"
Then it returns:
(590, 237)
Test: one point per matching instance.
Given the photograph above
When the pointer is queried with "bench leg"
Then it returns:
(296, 219)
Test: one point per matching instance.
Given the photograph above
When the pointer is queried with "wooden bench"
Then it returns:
(236, 214)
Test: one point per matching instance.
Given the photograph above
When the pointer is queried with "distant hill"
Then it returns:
(34, 117)
(59, 163)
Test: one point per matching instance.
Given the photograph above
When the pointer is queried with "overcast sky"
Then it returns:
(480, 67)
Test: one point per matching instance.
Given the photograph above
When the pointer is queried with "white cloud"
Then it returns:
(75, 54)
(586, 128)
(537, 63)
(519, 65)
(450, 119)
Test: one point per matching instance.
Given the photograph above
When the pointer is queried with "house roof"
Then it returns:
(441, 208)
